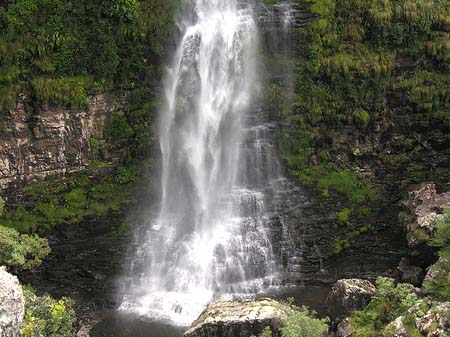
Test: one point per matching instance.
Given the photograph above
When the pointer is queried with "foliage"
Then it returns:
(302, 323)
(57, 51)
(441, 235)
(47, 317)
(390, 301)
(79, 197)
(21, 251)
(439, 284)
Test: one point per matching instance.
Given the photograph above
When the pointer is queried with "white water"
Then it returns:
(209, 240)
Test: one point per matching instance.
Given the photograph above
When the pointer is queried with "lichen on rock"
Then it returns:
(240, 318)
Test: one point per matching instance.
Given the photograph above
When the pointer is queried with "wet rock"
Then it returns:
(283, 14)
(410, 274)
(426, 206)
(348, 295)
(242, 318)
(12, 305)
(344, 328)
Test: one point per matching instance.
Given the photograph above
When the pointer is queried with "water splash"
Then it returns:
(210, 238)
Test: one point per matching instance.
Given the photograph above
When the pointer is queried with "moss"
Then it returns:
(72, 200)
(343, 216)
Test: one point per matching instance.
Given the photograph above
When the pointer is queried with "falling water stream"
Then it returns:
(209, 240)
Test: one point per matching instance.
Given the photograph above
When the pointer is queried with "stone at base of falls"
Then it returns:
(348, 295)
(12, 305)
(240, 318)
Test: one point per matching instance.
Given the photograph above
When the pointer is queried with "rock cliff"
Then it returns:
(50, 141)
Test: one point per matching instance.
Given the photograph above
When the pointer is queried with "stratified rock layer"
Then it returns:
(50, 141)
(242, 318)
(12, 305)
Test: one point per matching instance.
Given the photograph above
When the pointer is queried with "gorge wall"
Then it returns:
(52, 141)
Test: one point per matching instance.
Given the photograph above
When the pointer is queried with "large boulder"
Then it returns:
(348, 295)
(242, 318)
(12, 305)
(425, 206)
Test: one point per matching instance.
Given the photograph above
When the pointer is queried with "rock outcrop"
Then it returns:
(12, 305)
(51, 141)
(426, 206)
(347, 296)
(242, 318)
(436, 321)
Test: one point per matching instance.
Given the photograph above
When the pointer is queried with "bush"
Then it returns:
(47, 317)
(390, 301)
(302, 323)
(21, 251)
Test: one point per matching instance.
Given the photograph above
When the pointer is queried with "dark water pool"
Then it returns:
(116, 324)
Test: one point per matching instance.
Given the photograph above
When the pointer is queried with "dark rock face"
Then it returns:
(409, 273)
(52, 141)
(349, 295)
(243, 318)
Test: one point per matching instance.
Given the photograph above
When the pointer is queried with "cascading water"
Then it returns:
(209, 240)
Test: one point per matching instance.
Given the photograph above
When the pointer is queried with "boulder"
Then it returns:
(348, 295)
(436, 320)
(425, 206)
(397, 328)
(240, 318)
(12, 305)
(344, 328)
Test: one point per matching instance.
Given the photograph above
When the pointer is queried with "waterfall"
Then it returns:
(210, 239)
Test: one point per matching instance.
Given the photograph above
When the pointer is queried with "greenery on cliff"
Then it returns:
(372, 101)
(57, 51)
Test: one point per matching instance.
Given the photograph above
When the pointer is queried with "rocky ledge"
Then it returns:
(241, 318)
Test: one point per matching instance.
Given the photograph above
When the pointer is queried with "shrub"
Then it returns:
(302, 323)
(21, 251)
(47, 317)
(390, 301)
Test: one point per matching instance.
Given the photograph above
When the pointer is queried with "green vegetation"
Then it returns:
(47, 317)
(390, 302)
(439, 285)
(365, 69)
(56, 52)
(300, 322)
(21, 251)
(81, 196)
